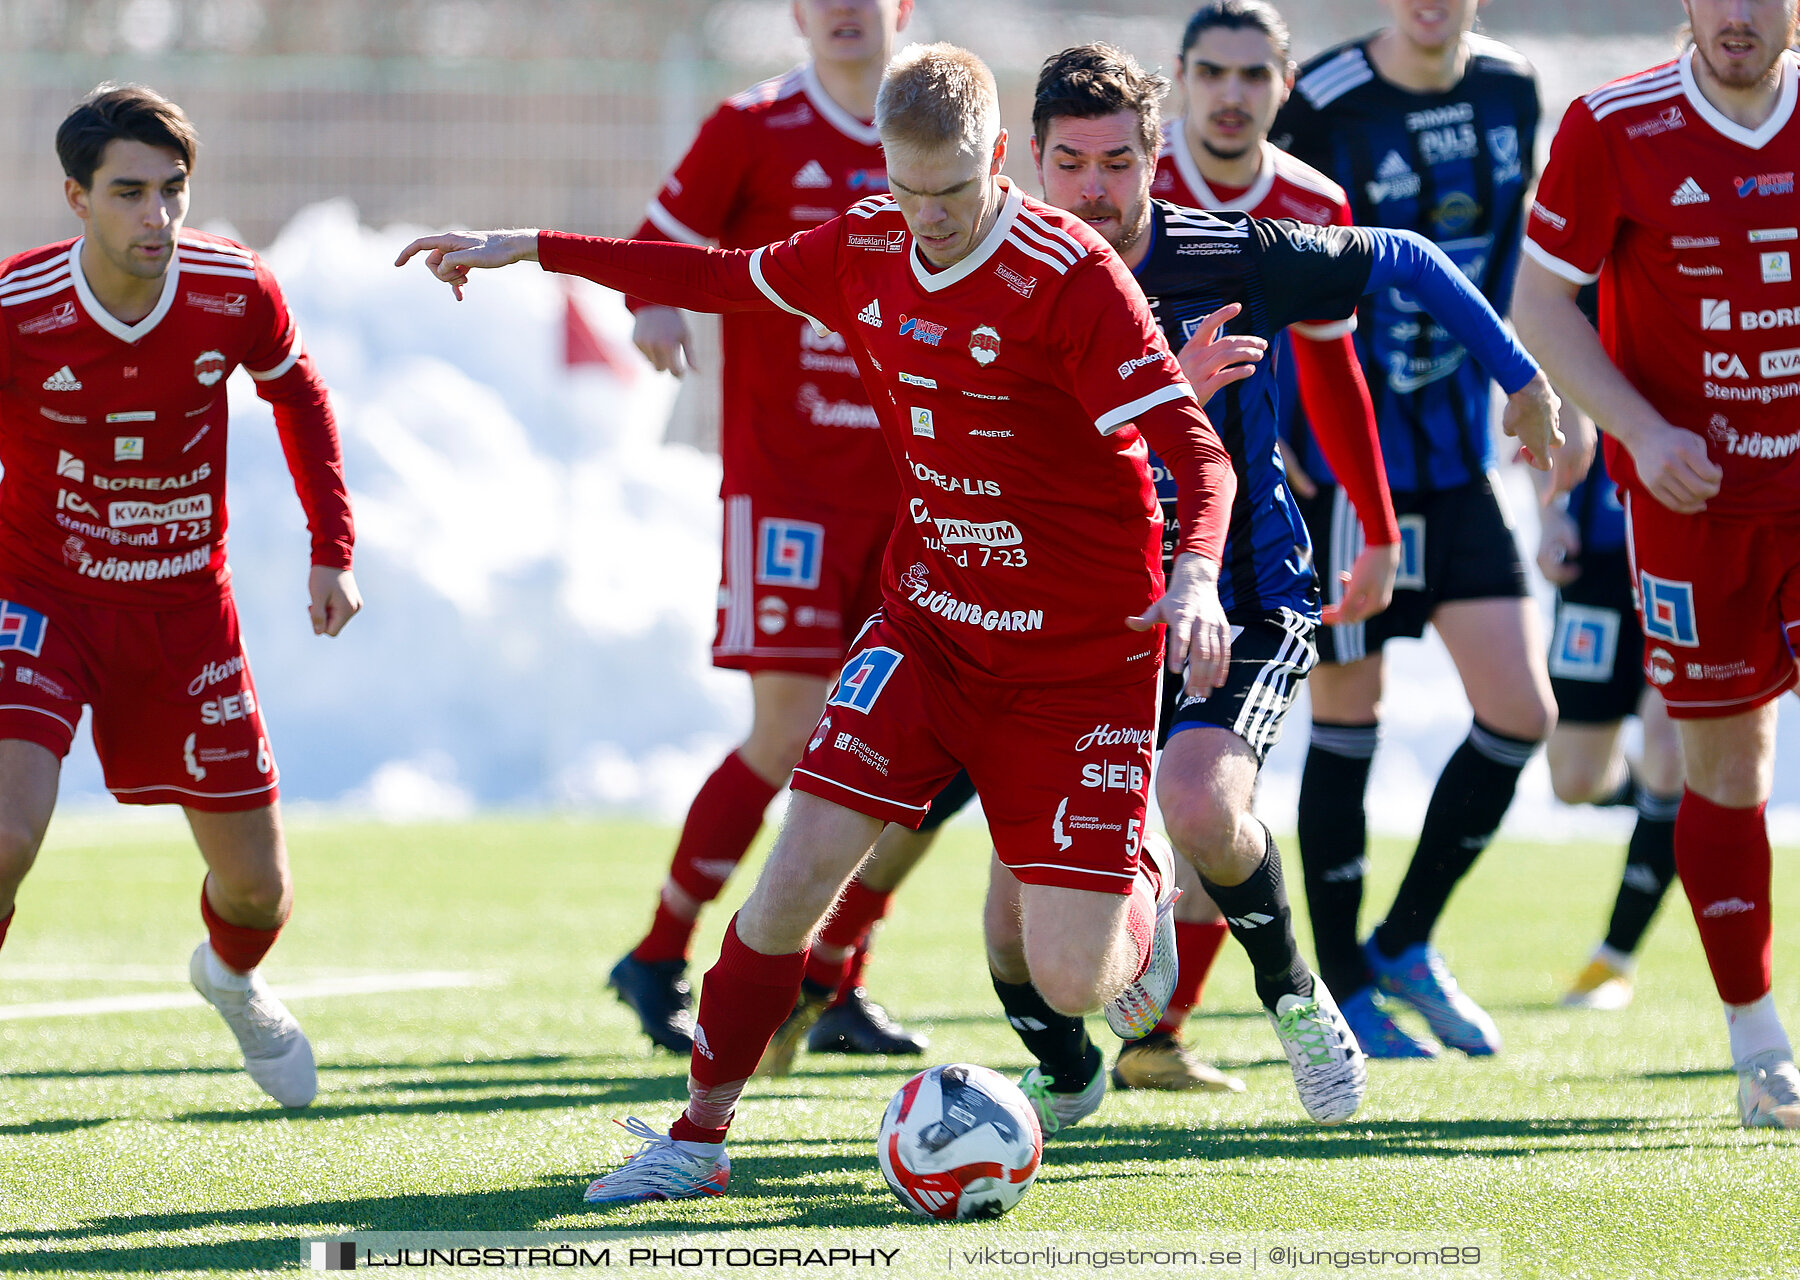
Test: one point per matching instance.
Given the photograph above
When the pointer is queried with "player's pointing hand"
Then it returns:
(1212, 363)
(1199, 637)
(450, 255)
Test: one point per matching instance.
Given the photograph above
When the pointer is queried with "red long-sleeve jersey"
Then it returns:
(113, 435)
(1016, 389)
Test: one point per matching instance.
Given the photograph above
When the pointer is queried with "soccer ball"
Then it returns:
(960, 1142)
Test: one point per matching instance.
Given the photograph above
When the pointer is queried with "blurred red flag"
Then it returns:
(582, 345)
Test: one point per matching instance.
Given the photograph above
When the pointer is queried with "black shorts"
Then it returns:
(1456, 544)
(1596, 648)
(1270, 656)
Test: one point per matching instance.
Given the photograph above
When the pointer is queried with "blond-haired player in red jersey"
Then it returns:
(1675, 189)
(1235, 74)
(114, 591)
(808, 486)
(1019, 376)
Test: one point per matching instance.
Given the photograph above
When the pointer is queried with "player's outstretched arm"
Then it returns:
(1671, 462)
(1409, 262)
(1336, 397)
(451, 255)
(334, 599)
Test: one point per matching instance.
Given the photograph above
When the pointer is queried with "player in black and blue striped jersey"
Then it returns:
(1094, 141)
(1428, 127)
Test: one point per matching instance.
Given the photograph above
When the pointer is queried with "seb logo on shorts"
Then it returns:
(864, 677)
(1109, 776)
(233, 706)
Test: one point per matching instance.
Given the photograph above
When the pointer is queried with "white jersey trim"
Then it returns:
(106, 319)
(671, 226)
(1642, 82)
(834, 115)
(935, 281)
(204, 795)
(756, 274)
(1254, 194)
(1325, 84)
(42, 287)
(1112, 421)
(844, 786)
(20, 706)
(1327, 331)
(1556, 266)
(1756, 139)
(295, 351)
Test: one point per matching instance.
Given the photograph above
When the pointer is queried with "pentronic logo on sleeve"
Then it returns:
(22, 629)
(332, 1255)
(864, 677)
(790, 552)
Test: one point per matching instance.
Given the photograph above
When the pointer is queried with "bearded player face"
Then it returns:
(134, 207)
(1741, 41)
(1097, 170)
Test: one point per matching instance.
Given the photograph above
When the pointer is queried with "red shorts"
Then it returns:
(1720, 605)
(1063, 772)
(176, 719)
(797, 584)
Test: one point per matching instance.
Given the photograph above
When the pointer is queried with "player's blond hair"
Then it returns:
(935, 96)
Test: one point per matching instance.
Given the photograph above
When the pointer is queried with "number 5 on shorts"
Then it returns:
(864, 677)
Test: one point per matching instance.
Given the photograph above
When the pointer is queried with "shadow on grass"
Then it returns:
(453, 1064)
(598, 1091)
(52, 1126)
(1499, 1137)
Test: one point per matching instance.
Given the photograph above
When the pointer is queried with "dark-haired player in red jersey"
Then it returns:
(1019, 374)
(809, 485)
(114, 592)
(1235, 74)
(1675, 189)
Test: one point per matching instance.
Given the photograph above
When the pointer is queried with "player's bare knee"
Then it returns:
(18, 850)
(1576, 783)
(1068, 988)
(1202, 825)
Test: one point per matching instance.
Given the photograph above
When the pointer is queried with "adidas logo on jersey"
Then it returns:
(62, 380)
(1393, 166)
(1689, 192)
(812, 174)
(871, 314)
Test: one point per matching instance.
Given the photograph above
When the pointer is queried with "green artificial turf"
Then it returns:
(1596, 1145)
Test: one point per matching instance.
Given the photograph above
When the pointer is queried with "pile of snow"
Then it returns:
(540, 570)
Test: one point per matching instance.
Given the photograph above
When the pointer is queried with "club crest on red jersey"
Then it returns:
(984, 345)
(209, 367)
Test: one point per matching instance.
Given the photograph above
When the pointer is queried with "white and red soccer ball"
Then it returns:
(960, 1141)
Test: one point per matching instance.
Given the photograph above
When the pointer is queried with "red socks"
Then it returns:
(1197, 945)
(858, 908)
(723, 820)
(1722, 856)
(745, 998)
(238, 946)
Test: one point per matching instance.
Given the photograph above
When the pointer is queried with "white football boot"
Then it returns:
(1135, 1011)
(1330, 1071)
(276, 1053)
